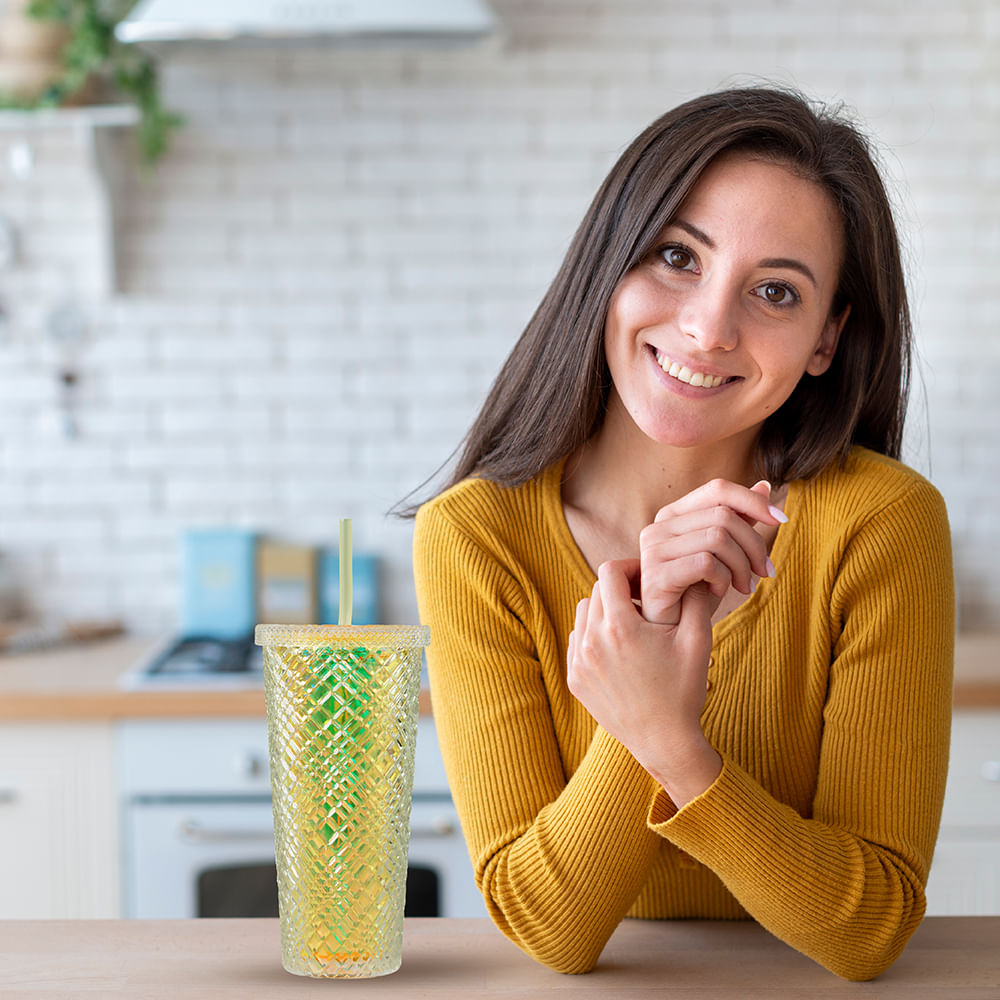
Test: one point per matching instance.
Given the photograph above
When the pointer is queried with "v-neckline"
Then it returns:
(556, 514)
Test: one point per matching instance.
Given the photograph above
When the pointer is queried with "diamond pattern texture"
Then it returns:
(341, 716)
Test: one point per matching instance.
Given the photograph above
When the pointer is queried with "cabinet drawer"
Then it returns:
(193, 756)
(227, 756)
(973, 794)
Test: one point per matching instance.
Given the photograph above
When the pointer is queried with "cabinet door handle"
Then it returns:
(436, 828)
(191, 831)
(991, 770)
(8, 796)
(251, 765)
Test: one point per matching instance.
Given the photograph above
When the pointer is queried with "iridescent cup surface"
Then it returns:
(342, 725)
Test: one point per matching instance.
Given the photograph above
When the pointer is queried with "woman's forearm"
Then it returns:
(561, 885)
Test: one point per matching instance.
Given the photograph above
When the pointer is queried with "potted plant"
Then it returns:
(55, 53)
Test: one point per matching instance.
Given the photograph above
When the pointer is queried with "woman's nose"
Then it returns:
(709, 317)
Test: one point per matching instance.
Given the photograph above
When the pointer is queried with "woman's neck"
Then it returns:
(614, 484)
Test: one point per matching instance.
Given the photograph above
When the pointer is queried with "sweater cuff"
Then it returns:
(715, 817)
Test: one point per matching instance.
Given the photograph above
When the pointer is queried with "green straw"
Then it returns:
(346, 571)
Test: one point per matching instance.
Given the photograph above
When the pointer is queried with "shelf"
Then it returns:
(91, 125)
(99, 116)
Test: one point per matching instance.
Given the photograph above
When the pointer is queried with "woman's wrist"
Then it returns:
(685, 773)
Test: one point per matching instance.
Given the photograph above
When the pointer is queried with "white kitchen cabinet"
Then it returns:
(58, 821)
(965, 876)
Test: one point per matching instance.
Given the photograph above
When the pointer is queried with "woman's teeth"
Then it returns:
(684, 374)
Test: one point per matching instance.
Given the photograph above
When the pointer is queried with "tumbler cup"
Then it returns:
(342, 726)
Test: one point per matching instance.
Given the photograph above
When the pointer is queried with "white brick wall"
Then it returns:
(320, 281)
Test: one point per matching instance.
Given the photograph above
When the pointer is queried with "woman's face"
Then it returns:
(710, 334)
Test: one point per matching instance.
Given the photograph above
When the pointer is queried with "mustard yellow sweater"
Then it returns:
(829, 701)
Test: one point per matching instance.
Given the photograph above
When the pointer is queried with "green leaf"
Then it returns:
(93, 50)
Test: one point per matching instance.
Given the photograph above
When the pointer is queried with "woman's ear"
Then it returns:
(828, 340)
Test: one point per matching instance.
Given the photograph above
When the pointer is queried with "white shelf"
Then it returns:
(99, 116)
(91, 125)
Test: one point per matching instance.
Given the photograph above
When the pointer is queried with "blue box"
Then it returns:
(365, 598)
(219, 583)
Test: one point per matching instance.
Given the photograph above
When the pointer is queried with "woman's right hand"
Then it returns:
(700, 546)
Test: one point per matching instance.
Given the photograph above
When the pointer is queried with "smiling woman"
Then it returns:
(693, 620)
(733, 306)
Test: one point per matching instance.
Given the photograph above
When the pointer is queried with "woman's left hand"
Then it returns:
(643, 682)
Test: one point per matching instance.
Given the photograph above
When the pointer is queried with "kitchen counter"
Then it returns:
(977, 670)
(948, 957)
(82, 682)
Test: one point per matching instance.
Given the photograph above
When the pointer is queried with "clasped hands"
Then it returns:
(638, 654)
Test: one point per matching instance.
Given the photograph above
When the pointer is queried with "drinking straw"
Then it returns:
(346, 571)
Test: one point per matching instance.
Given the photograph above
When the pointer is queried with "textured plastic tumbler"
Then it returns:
(342, 730)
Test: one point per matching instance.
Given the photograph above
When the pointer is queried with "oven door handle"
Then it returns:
(192, 832)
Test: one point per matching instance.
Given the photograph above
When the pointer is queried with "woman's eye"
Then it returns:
(776, 294)
(678, 257)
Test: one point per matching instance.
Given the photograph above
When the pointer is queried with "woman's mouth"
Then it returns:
(684, 374)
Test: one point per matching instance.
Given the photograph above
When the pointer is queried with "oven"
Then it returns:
(197, 835)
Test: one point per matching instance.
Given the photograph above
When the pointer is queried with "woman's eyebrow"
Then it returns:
(694, 231)
(792, 264)
(784, 262)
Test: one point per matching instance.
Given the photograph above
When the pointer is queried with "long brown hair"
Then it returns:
(552, 391)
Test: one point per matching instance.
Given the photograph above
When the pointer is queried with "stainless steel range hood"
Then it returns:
(153, 21)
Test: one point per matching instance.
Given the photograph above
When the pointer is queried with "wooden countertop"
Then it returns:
(977, 670)
(82, 682)
(949, 958)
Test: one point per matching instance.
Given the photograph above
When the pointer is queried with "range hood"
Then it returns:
(153, 21)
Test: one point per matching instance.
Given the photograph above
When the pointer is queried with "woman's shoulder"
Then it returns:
(476, 504)
(869, 482)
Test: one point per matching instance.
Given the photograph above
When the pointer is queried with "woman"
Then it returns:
(692, 620)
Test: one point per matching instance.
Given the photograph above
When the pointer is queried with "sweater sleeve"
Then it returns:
(846, 884)
(559, 859)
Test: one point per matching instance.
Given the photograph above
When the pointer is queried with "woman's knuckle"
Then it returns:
(716, 535)
(704, 562)
(721, 515)
(667, 510)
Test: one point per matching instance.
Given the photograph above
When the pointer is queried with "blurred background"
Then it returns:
(294, 315)
(217, 339)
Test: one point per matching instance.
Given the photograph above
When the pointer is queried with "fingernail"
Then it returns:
(762, 482)
(778, 514)
(770, 566)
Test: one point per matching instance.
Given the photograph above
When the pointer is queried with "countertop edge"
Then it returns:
(84, 682)
(112, 706)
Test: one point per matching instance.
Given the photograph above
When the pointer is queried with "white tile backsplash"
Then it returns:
(319, 282)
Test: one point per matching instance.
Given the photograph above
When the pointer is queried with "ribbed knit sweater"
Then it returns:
(829, 701)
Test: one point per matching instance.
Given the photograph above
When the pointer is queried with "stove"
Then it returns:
(200, 661)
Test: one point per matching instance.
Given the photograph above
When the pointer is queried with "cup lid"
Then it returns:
(322, 636)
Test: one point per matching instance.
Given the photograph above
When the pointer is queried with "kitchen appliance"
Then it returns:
(288, 20)
(199, 662)
(197, 836)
